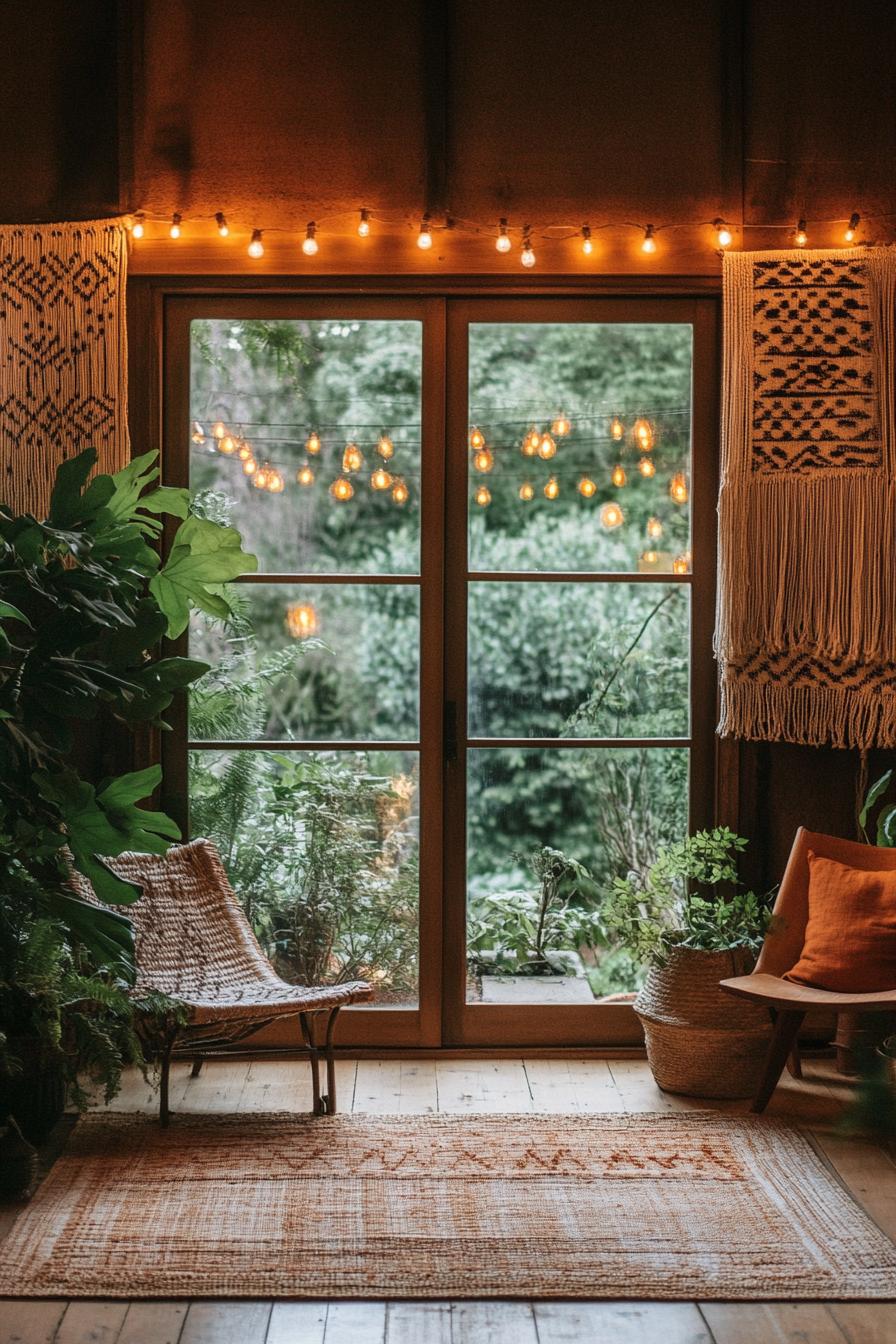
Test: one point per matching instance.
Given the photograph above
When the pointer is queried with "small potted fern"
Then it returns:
(691, 922)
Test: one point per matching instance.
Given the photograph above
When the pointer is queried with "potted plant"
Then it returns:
(85, 600)
(690, 921)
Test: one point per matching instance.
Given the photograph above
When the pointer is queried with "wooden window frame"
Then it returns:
(160, 307)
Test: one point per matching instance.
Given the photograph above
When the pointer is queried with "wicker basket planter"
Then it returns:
(700, 1041)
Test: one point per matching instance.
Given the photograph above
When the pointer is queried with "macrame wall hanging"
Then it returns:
(806, 629)
(63, 353)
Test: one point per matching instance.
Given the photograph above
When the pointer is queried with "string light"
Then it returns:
(276, 483)
(801, 237)
(227, 445)
(385, 447)
(305, 476)
(654, 529)
(587, 487)
(529, 446)
(618, 476)
(484, 460)
(527, 491)
(552, 488)
(477, 438)
(562, 426)
(244, 452)
(174, 228)
(723, 233)
(648, 243)
(547, 447)
(198, 434)
(647, 467)
(400, 492)
(617, 429)
(611, 516)
(352, 457)
(364, 224)
(502, 242)
(643, 435)
(483, 496)
(309, 242)
(650, 557)
(678, 488)
(301, 620)
(680, 564)
(587, 244)
(137, 228)
(527, 256)
(222, 224)
(851, 227)
(424, 237)
(250, 466)
(256, 246)
(380, 479)
(312, 443)
(342, 489)
(260, 478)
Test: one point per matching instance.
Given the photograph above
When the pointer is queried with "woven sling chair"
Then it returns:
(787, 1001)
(195, 944)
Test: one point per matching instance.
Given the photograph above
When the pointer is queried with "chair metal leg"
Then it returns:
(308, 1035)
(330, 1098)
(164, 1111)
(787, 1024)
(197, 1065)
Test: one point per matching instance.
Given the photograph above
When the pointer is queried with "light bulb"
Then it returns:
(680, 564)
(276, 483)
(250, 466)
(587, 244)
(364, 224)
(618, 476)
(424, 237)
(561, 426)
(309, 242)
(260, 478)
(502, 242)
(484, 460)
(380, 479)
(587, 488)
(305, 476)
(547, 447)
(643, 435)
(483, 496)
(552, 488)
(400, 492)
(256, 246)
(477, 438)
(227, 445)
(678, 488)
(647, 467)
(611, 516)
(342, 489)
(723, 233)
(649, 557)
(174, 230)
(617, 429)
(198, 434)
(352, 457)
(801, 237)
(312, 443)
(244, 452)
(851, 227)
(527, 491)
(222, 224)
(529, 446)
(137, 228)
(301, 620)
(385, 447)
(219, 429)
(654, 529)
(527, 256)
(648, 243)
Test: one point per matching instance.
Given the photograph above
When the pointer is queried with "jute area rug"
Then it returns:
(631, 1206)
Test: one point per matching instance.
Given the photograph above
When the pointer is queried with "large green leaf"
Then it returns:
(129, 484)
(107, 935)
(71, 477)
(158, 683)
(10, 613)
(877, 791)
(204, 556)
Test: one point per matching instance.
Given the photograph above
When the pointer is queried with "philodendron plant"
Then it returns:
(85, 601)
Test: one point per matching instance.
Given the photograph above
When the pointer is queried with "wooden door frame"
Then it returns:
(149, 305)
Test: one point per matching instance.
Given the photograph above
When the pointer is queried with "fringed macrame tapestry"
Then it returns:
(806, 630)
(63, 353)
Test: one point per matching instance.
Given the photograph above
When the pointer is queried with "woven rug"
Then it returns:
(623, 1206)
(63, 353)
(806, 633)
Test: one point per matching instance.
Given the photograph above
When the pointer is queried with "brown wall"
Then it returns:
(277, 111)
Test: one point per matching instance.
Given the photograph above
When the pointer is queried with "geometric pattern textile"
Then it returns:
(63, 353)
(806, 623)
(702, 1205)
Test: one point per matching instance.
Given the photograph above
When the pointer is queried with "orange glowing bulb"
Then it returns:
(342, 489)
(587, 488)
(305, 476)
(250, 466)
(484, 460)
(642, 433)
(552, 488)
(260, 478)
(227, 445)
(483, 496)
(380, 479)
(198, 434)
(678, 488)
(654, 529)
(527, 491)
(529, 446)
(647, 467)
(400, 492)
(617, 429)
(352, 457)
(561, 426)
(244, 452)
(618, 476)
(219, 429)
(301, 620)
(680, 564)
(385, 447)
(477, 438)
(547, 446)
(611, 516)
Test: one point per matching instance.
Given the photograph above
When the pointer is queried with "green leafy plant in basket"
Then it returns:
(85, 600)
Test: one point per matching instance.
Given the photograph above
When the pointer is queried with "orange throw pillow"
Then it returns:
(850, 941)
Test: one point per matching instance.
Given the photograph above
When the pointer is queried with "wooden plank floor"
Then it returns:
(469, 1085)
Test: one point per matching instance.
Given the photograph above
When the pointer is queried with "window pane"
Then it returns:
(609, 809)
(578, 660)
(313, 661)
(321, 849)
(579, 446)
(328, 414)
